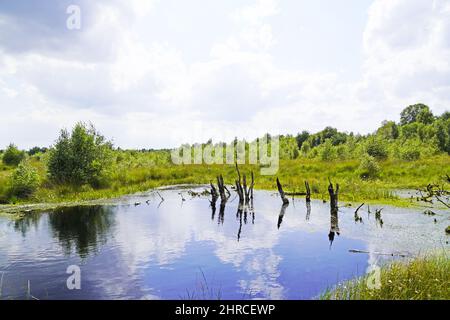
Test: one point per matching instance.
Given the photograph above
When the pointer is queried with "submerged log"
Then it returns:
(380, 253)
(282, 194)
(295, 193)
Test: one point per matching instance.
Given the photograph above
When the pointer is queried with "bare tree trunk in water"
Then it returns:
(282, 194)
(308, 192)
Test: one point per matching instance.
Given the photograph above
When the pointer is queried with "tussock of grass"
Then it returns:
(425, 278)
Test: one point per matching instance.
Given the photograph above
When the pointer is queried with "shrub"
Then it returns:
(12, 156)
(24, 180)
(306, 147)
(368, 168)
(327, 152)
(388, 130)
(79, 158)
(443, 135)
(342, 152)
(409, 154)
(376, 148)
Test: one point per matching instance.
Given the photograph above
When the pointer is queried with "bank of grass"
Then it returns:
(424, 278)
(140, 176)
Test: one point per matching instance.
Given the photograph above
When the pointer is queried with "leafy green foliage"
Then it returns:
(368, 168)
(288, 148)
(388, 130)
(79, 158)
(407, 156)
(327, 152)
(24, 180)
(376, 148)
(442, 127)
(419, 134)
(328, 133)
(301, 138)
(410, 150)
(306, 148)
(36, 150)
(13, 156)
(416, 113)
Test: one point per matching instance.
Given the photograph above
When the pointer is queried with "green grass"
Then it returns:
(141, 175)
(424, 278)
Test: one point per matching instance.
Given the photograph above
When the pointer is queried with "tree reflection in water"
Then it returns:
(84, 229)
(24, 224)
(334, 226)
(281, 215)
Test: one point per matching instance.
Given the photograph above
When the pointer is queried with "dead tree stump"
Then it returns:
(308, 192)
(282, 194)
(244, 192)
(251, 187)
(333, 196)
(214, 192)
(222, 188)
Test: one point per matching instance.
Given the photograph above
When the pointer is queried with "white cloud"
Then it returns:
(408, 53)
(147, 91)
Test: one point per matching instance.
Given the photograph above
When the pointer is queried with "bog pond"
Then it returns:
(143, 248)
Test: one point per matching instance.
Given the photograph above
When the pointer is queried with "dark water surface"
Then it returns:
(182, 249)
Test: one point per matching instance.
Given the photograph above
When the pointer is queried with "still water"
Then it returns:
(178, 249)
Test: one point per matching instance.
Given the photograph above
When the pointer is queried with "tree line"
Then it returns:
(85, 157)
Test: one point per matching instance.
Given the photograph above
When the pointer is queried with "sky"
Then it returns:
(156, 74)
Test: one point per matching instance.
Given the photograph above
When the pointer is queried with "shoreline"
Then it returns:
(18, 210)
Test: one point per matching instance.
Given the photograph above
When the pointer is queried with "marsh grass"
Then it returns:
(203, 290)
(423, 278)
(141, 175)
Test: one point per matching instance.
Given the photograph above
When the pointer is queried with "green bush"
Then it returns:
(409, 154)
(82, 157)
(376, 148)
(306, 148)
(12, 156)
(327, 151)
(24, 180)
(368, 168)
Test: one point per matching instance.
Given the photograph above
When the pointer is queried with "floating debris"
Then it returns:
(380, 253)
